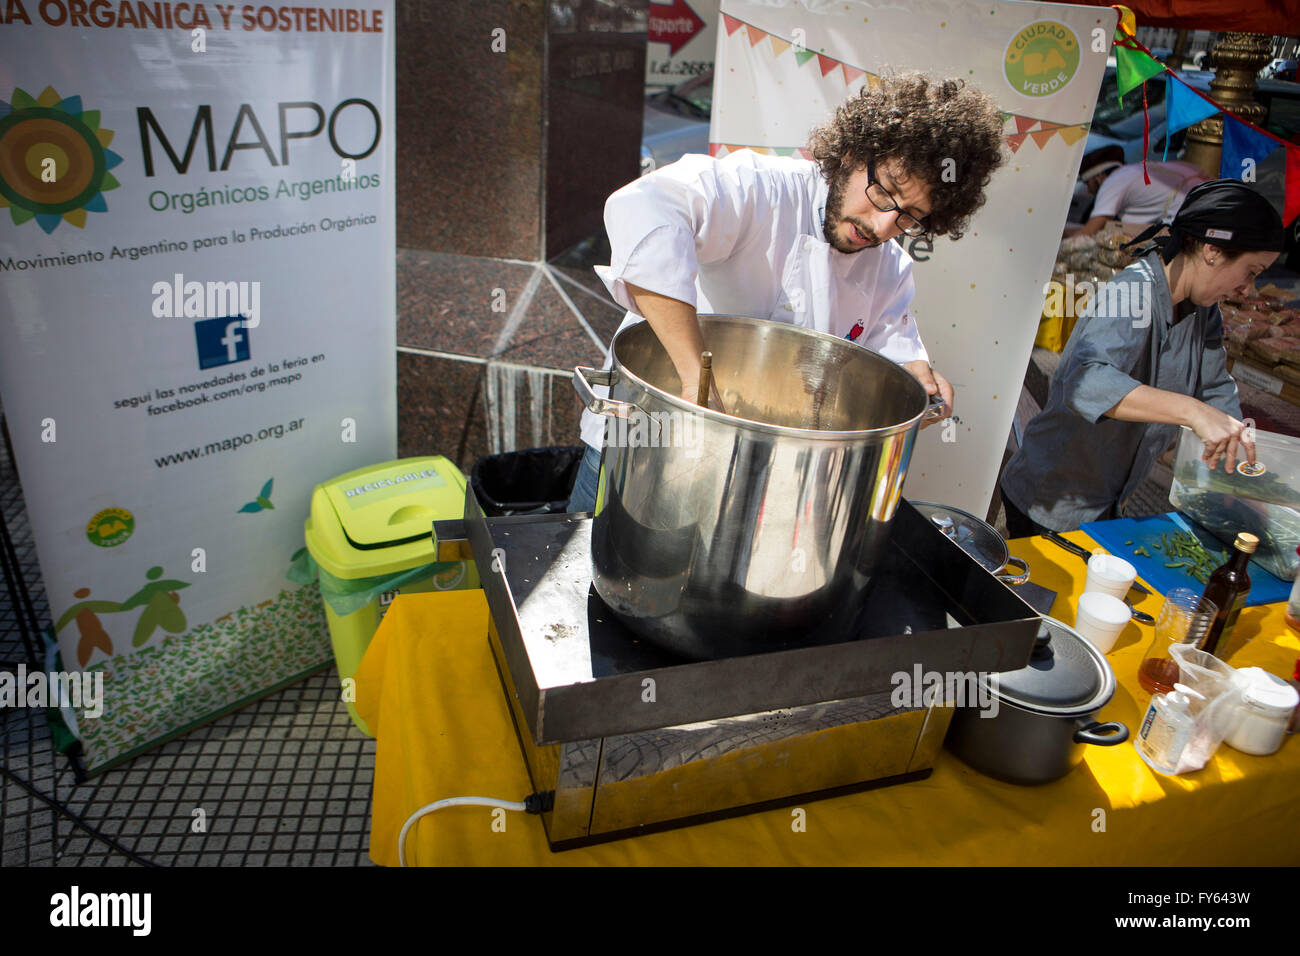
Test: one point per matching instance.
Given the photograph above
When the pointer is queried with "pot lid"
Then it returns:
(1065, 674)
(974, 535)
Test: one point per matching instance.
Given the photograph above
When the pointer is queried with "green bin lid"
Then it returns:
(378, 519)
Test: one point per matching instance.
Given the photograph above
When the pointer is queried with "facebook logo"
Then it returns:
(222, 341)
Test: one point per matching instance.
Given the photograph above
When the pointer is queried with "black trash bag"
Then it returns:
(533, 481)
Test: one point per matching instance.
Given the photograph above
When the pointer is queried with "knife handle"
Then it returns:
(1068, 545)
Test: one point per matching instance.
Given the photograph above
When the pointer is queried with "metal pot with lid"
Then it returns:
(977, 538)
(1045, 714)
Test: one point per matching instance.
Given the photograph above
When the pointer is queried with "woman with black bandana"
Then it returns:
(1146, 358)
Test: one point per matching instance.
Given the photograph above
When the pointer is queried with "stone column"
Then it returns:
(1238, 57)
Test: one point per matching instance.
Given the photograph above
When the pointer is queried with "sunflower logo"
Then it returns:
(54, 160)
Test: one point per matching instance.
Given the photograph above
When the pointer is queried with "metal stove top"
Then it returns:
(580, 674)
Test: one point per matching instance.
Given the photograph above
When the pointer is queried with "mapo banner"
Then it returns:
(196, 327)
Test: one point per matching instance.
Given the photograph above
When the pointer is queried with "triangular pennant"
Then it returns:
(779, 46)
(1016, 140)
(1023, 123)
(1133, 68)
(1183, 107)
(1291, 200)
(1243, 149)
(803, 152)
(731, 24)
(1043, 124)
(826, 63)
(1041, 136)
(873, 81)
(713, 148)
(784, 151)
(851, 73)
(803, 55)
(1072, 134)
(756, 36)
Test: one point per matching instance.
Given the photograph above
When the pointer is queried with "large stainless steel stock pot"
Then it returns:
(726, 534)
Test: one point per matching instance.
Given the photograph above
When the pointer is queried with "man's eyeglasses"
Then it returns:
(881, 199)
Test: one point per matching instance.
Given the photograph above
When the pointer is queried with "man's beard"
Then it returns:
(834, 208)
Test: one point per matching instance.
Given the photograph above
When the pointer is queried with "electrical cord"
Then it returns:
(533, 803)
(78, 821)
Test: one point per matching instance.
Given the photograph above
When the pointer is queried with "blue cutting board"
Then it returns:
(1265, 588)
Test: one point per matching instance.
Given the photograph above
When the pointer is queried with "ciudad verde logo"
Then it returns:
(54, 160)
(110, 527)
(1041, 58)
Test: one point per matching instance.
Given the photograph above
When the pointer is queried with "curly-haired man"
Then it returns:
(798, 241)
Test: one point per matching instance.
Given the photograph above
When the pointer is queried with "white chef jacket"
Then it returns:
(742, 235)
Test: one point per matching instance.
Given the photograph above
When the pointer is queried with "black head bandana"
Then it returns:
(1223, 212)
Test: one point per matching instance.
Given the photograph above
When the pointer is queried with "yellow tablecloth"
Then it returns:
(430, 692)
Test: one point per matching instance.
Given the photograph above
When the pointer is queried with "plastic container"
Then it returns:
(1166, 728)
(370, 533)
(1108, 574)
(1266, 504)
(1185, 617)
(1100, 618)
(1259, 723)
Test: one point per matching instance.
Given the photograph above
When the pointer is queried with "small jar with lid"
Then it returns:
(1260, 721)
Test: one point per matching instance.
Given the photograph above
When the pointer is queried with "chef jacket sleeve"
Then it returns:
(664, 225)
(1107, 346)
(893, 333)
(1218, 388)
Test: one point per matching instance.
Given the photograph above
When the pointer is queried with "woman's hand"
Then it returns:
(1223, 436)
(934, 384)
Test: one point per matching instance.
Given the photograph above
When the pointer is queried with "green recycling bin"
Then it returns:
(370, 537)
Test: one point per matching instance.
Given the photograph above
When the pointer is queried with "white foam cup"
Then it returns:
(1108, 574)
(1100, 618)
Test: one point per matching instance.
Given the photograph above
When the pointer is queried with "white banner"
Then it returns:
(197, 286)
(784, 66)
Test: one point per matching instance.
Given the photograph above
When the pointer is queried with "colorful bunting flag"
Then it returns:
(1183, 107)
(1243, 148)
(1133, 68)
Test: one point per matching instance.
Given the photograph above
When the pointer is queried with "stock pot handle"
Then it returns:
(584, 378)
(933, 409)
(1103, 735)
(1018, 577)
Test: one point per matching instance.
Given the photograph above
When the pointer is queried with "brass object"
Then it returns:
(1238, 58)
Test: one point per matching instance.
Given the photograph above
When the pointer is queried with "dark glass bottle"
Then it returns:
(1228, 588)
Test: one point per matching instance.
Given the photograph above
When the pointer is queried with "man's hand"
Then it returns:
(934, 384)
(1223, 435)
